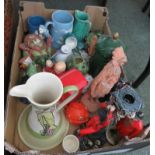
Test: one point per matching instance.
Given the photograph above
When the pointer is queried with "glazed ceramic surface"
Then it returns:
(76, 60)
(62, 54)
(82, 25)
(44, 90)
(33, 23)
(36, 142)
(62, 25)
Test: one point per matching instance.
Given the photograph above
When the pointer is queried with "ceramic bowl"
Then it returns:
(70, 144)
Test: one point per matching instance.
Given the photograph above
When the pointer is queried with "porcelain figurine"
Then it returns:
(110, 74)
(36, 48)
(103, 52)
(77, 113)
(43, 31)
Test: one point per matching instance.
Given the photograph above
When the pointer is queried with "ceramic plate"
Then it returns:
(41, 142)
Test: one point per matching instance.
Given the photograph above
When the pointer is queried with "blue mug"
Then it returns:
(34, 22)
(62, 25)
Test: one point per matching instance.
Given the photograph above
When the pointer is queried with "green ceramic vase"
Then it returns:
(81, 25)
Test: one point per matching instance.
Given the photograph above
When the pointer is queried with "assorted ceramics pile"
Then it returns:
(72, 76)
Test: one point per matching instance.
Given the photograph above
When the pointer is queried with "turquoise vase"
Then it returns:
(82, 25)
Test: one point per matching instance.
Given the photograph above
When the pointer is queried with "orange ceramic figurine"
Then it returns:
(110, 74)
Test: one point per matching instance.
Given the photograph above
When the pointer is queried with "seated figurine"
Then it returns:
(110, 74)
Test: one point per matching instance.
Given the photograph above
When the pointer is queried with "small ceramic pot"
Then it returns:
(70, 144)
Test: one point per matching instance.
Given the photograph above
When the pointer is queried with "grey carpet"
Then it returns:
(134, 29)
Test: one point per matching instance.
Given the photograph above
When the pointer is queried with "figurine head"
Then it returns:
(119, 56)
(49, 63)
(59, 67)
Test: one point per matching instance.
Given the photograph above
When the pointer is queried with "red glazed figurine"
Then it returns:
(129, 127)
(77, 113)
(100, 121)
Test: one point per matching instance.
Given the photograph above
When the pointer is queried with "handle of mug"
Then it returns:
(70, 98)
(18, 91)
(48, 23)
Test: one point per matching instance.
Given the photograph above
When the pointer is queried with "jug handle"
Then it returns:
(19, 91)
(70, 98)
(48, 23)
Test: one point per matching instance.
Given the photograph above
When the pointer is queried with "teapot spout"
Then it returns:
(18, 91)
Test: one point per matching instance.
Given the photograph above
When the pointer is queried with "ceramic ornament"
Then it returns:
(42, 125)
(70, 144)
(77, 113)
(110, 74)
(103, 52)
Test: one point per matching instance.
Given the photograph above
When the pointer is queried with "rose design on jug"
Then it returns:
(46, 120)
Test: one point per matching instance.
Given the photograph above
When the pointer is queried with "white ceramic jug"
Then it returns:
(44, 91)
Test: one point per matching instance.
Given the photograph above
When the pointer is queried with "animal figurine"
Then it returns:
(110, 74)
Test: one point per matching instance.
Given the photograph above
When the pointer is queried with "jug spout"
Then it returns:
(19, 91)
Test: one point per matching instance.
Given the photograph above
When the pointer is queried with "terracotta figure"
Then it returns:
(110, 74)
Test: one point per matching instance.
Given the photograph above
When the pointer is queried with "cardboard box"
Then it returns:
(99, 19)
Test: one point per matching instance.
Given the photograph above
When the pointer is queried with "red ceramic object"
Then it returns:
(73, 77)
(77, 113)
(129, 127)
